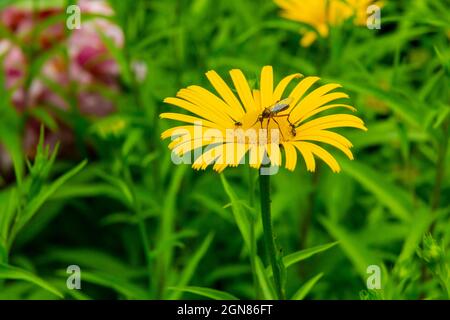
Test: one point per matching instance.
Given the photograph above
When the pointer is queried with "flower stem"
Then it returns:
(264, 183)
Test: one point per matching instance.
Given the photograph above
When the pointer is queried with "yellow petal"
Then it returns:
(226, 93)
(235, 153)
(214, 101)
(321, 153)
(310, 104)
(324, 133)
(321, 109)
(209, 156)
(219, 167)
(306, 154)
(179, 130)
(188, 119)
(201, 102)
(333, 121)
(189, 145)
(257, 98)
(300, 89)
(308, 38)
(290, 155)
(256, 155)
(274, 153)
(243, 89)
(329, 141)
(281, 87)
(201, 111)
(266, 86)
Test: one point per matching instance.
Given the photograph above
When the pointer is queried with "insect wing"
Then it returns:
(281, 105)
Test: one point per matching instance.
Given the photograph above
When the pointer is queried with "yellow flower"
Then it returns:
(320, 14)
(233, 126)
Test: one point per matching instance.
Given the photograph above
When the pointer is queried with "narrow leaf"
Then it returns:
(306, 288)
(189, 271)
(207, 292)
(239, 213)
(14, 273)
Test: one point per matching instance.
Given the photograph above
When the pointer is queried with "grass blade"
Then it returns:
(239, 213)
(37, 202)
(125, 288)
(394, 198)
(207, 292)
(353, 247)
(14, 273)
(192, 266)
(306, 288)
(264, 281)
(307, 253)
(298, 256)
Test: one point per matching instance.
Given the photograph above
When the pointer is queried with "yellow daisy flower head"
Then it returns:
(259, 124)
(321, 14)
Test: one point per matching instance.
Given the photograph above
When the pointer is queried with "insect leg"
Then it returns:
(279, 128)
(290, 123)
(285, 115)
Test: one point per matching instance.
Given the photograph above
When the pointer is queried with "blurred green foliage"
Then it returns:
(142, 228)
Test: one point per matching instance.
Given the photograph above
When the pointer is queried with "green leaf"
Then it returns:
(213, 206)
(207, 292)
(306, 288)
(92, 259)
(403, 107)
(420, 225)
(88, 190)
(393, 197)
(189, 271)
(264, 280)
(37, 202)
(354, 247)
(121, 286)
(306, 253)
(122, 187)
(384, 133)
(239, 213)
(14, 273)
(8, 208)
(168, 214)
(298, 256)
(13, 144)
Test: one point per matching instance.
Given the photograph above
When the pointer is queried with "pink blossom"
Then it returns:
(89, 64)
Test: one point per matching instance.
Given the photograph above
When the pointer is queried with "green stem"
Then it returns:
(269, 241)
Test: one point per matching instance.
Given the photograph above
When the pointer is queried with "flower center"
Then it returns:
(274, 128)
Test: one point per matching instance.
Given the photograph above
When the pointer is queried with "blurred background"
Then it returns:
(85, 179)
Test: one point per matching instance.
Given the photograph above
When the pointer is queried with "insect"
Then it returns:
(273, 111)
